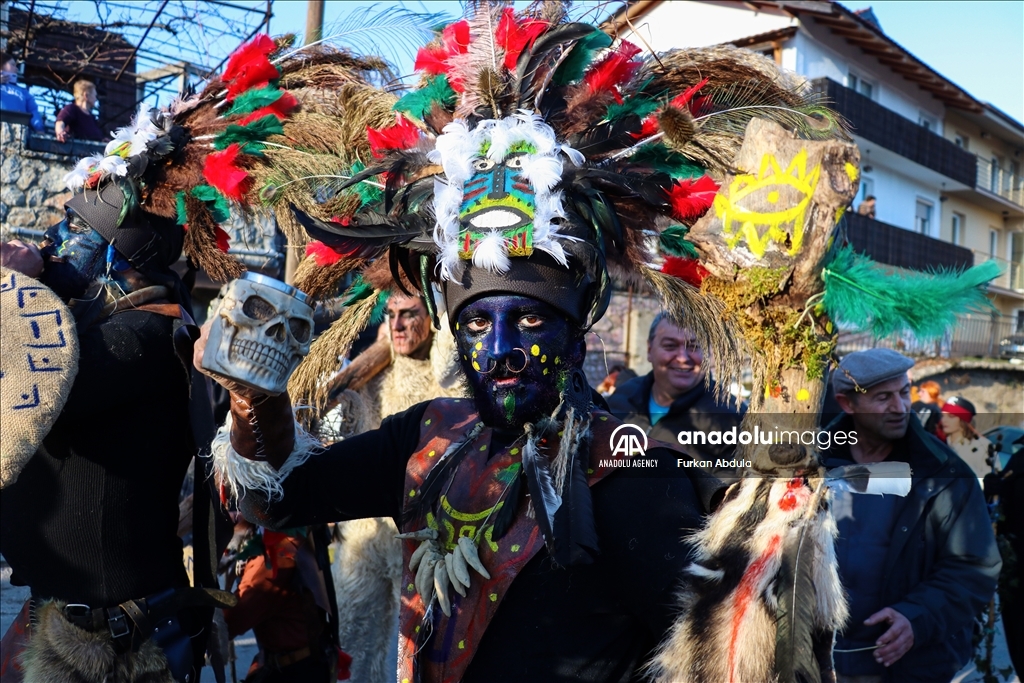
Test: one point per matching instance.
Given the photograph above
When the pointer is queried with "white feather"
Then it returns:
(121, 136)
(543, 172)
(449, 261)
(490, 254)
(114, 165)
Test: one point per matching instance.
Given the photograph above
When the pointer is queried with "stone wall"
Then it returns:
(32, 169)
(996, 388)
(620, 337)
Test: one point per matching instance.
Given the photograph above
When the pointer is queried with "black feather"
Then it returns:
(367, 237)
(795, 658)
(545, 49)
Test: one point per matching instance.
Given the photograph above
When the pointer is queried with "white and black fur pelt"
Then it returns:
(762, 598)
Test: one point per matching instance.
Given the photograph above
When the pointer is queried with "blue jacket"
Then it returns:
(18, 98)
(941, 567)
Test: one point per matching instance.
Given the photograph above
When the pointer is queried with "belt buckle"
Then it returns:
(77, 610)
(118, 625)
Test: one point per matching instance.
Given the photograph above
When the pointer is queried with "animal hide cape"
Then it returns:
(60, 652)
(763, 595)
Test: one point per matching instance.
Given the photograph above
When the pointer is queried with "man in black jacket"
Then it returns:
(674, 396)
(917, 569)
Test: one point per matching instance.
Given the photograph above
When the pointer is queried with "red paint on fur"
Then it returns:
(402, 135)
(686, 269)
(615, 69)
(280, 108)
(744, 594)
(796, 495)
(692, 198)
(221, 172)
(515, 37)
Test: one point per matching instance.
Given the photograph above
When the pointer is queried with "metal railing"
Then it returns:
(975, 334)
(1012, 276)
(1000, 181)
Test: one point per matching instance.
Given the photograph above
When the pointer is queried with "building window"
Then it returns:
(958, 229)
(923, 217)
(867, 188)
(962, 141)
(859, 84)
(993, 242)
(928, 122)
(994, 175)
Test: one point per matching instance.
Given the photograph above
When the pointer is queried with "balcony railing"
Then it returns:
(885, 127)
(975, 334)
(1000, 181)
(1012, 276)
(902, 248)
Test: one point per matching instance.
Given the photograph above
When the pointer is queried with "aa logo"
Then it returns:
(628, 440)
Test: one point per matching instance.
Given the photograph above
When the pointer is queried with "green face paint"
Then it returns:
(510, 406)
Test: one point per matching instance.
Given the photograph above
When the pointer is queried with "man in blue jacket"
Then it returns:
(14, 97)
(917, 569)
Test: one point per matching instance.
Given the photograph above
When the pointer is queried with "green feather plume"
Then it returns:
(249, 136)
(673, 241)
(571, 70)
(215, 202)
(641, 106)
(250, 101)
(359, 290)
(861, 293)
(418, 103)
(369, 194)
(662, 159)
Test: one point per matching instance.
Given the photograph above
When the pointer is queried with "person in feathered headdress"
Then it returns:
(535, 162)
(89, 521)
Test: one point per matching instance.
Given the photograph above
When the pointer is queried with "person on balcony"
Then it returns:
(17, 98)
(867, 207)
(75, 120)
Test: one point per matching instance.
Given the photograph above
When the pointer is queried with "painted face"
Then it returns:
(498, 197)
(409, 324)
(75, 256)
(515, 352)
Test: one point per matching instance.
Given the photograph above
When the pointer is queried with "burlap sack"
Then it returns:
(38, 364)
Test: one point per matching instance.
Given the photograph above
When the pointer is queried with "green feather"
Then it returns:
(418, 103)
(662, 159)
(370, 194)
(179, 200)
(215, 201)
(571, 70)
(249, 136)
(673, 241)
(359, 290)
(250, 101)
(865, 295)
(379, 309)
(640, 106)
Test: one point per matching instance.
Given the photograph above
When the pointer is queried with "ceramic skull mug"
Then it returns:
(261, 330)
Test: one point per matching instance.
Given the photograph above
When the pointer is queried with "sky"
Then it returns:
(977, 45)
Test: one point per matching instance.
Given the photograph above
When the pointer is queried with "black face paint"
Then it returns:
(515, 352)
(75, 256)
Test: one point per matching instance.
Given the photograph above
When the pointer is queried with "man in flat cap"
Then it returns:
(917, 569)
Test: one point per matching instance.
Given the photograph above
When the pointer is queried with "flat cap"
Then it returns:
(862, 370)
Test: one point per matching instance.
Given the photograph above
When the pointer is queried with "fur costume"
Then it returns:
(60, 652)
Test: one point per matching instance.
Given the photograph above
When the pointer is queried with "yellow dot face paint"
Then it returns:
(476, 366)
(535, 350)
(544, 358)
(479, 345)
(557, 360)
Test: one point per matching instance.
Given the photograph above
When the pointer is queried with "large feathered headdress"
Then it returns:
(536, 150)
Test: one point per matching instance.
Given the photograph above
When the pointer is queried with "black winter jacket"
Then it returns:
(942, 564)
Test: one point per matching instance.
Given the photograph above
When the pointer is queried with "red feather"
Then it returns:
(683, 100)
(281, 108)
(402, 135)
(432, 60)
(223, 240)
(221, 172)
(456, 37)
(513, 38)
(648, 128)
(618, 67)
(322, 254)
(692, 198)
(686, 269)
(253, 52)
(255, 75)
